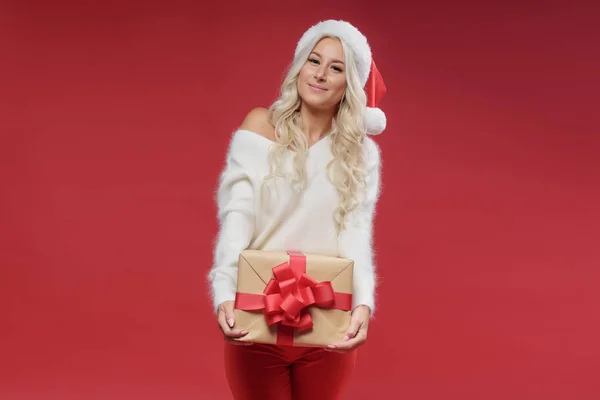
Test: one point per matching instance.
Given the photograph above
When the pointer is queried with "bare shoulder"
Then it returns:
(257, 121)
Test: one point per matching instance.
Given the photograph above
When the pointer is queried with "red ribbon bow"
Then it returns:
(287, 297)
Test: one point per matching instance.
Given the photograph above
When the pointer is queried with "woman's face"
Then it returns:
(322, 79)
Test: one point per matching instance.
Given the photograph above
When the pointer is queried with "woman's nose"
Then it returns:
(320, 73)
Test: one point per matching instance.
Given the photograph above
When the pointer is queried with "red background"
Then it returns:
(115, 119)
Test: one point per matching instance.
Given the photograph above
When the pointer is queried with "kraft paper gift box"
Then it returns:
(292, 298)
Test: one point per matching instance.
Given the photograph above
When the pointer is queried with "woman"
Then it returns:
(303, 176)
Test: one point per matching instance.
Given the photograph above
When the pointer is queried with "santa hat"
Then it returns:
(368, 74)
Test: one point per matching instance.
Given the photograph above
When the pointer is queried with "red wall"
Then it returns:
(487, 232)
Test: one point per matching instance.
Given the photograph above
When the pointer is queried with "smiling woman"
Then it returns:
(316, 194)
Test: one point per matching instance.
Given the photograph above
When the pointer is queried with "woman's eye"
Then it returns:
(312, 60)
(338, 69)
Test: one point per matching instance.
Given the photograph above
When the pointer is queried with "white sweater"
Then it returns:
(247, 222)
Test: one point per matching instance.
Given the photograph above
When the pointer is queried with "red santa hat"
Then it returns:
(369, 76)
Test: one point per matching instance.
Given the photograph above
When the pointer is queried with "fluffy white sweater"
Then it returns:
(252, 217)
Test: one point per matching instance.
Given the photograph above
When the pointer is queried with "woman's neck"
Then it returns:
(315, 123)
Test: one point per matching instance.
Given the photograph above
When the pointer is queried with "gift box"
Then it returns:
(293, 299)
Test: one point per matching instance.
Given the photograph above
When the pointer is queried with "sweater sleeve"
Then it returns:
(235, 204)
(356, 241)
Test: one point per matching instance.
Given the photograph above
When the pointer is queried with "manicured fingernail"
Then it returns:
(244, 332)
(331, 346)
(346, 337)
(230, 322)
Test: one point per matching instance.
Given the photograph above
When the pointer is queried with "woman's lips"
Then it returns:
(317, 88)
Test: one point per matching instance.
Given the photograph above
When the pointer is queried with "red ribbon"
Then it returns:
(287, 296)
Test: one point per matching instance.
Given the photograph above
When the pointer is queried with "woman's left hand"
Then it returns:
(356, 335)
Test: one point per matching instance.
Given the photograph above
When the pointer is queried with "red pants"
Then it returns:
(263, 372)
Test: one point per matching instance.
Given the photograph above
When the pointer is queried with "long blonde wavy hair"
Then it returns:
(346, 170)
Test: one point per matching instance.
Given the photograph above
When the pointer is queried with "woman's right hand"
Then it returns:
(226, 319)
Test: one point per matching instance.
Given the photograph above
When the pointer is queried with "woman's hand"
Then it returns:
(226, 320)
(356, 335)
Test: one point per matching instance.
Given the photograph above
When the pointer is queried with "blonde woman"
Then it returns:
(303, 175)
